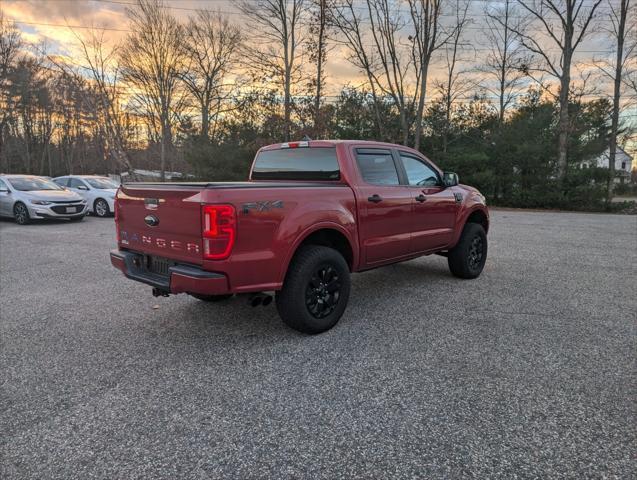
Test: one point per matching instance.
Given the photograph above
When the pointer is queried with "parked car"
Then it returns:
(311, 213)
(28, 197)
(98, 191)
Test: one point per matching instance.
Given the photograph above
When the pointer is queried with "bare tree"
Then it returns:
(319, 24)
(394, 59)
(152, 59)
(455, 84)
(349, 22)
(504, 60)
(275, 46)
(564, 24)
(10, 44)
(212, 46)
(395, 52)
(425, 16)
(101, 65)
(624, 35)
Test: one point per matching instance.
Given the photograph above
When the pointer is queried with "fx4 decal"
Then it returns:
(262, 206)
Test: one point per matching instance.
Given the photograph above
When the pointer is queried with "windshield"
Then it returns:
(102, 183)
(296, 164)
(27, 184)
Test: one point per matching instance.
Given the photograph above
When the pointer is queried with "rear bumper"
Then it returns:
(181, 278)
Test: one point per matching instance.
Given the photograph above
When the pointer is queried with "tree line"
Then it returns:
(203, 94)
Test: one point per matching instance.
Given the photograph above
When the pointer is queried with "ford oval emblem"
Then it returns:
(151, 220)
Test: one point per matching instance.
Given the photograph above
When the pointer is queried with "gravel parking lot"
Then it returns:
(528, 370)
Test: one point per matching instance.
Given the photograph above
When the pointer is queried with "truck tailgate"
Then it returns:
(161, 222)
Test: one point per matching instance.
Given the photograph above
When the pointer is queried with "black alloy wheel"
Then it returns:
(476, 250)
(323, 291)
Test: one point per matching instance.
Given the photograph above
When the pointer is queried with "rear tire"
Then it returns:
(211, 298)
(316, 290)
(21, 214)
(467, 258)
(100, 208)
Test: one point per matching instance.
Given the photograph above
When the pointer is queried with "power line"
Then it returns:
(255, 2)
(127, 30)
(43, 24)
(363, 20)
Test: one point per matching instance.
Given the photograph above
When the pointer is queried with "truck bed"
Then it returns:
(214, 185)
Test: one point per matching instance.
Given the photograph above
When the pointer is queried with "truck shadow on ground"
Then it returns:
(376, 289)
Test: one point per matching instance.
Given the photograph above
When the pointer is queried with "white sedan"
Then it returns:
(99, 192)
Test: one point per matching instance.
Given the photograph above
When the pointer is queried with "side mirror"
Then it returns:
(82, 187)
(450, 179)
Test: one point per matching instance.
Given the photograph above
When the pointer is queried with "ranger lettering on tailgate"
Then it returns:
(127, 238)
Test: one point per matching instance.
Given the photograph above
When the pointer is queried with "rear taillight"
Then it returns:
(219, 230)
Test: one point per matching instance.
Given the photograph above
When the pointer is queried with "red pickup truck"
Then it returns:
(311, 213)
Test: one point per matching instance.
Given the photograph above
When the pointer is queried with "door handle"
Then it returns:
(421, 198)
(375, 198)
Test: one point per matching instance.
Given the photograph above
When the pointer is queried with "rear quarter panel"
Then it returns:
(272, 223)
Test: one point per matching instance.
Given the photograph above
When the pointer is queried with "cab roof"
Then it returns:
(332, 143)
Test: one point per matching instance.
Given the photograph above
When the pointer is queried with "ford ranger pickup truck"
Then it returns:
(310, 214)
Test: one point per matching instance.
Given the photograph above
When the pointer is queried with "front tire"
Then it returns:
(316, 290)
(467, 258)
(21, 214)
(100, 208)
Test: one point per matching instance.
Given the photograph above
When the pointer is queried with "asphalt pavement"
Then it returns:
(528, 371)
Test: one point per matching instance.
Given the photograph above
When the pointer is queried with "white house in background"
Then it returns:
(623, 164)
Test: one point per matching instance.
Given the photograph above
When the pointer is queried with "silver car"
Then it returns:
(99, 192)
(28, 197)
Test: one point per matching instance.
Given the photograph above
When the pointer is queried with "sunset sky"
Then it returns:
(48, 22)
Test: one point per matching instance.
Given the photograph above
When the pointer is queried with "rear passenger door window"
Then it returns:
(377, 166)
(418, 172)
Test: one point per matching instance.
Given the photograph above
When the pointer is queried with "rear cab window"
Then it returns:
(302, 163)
